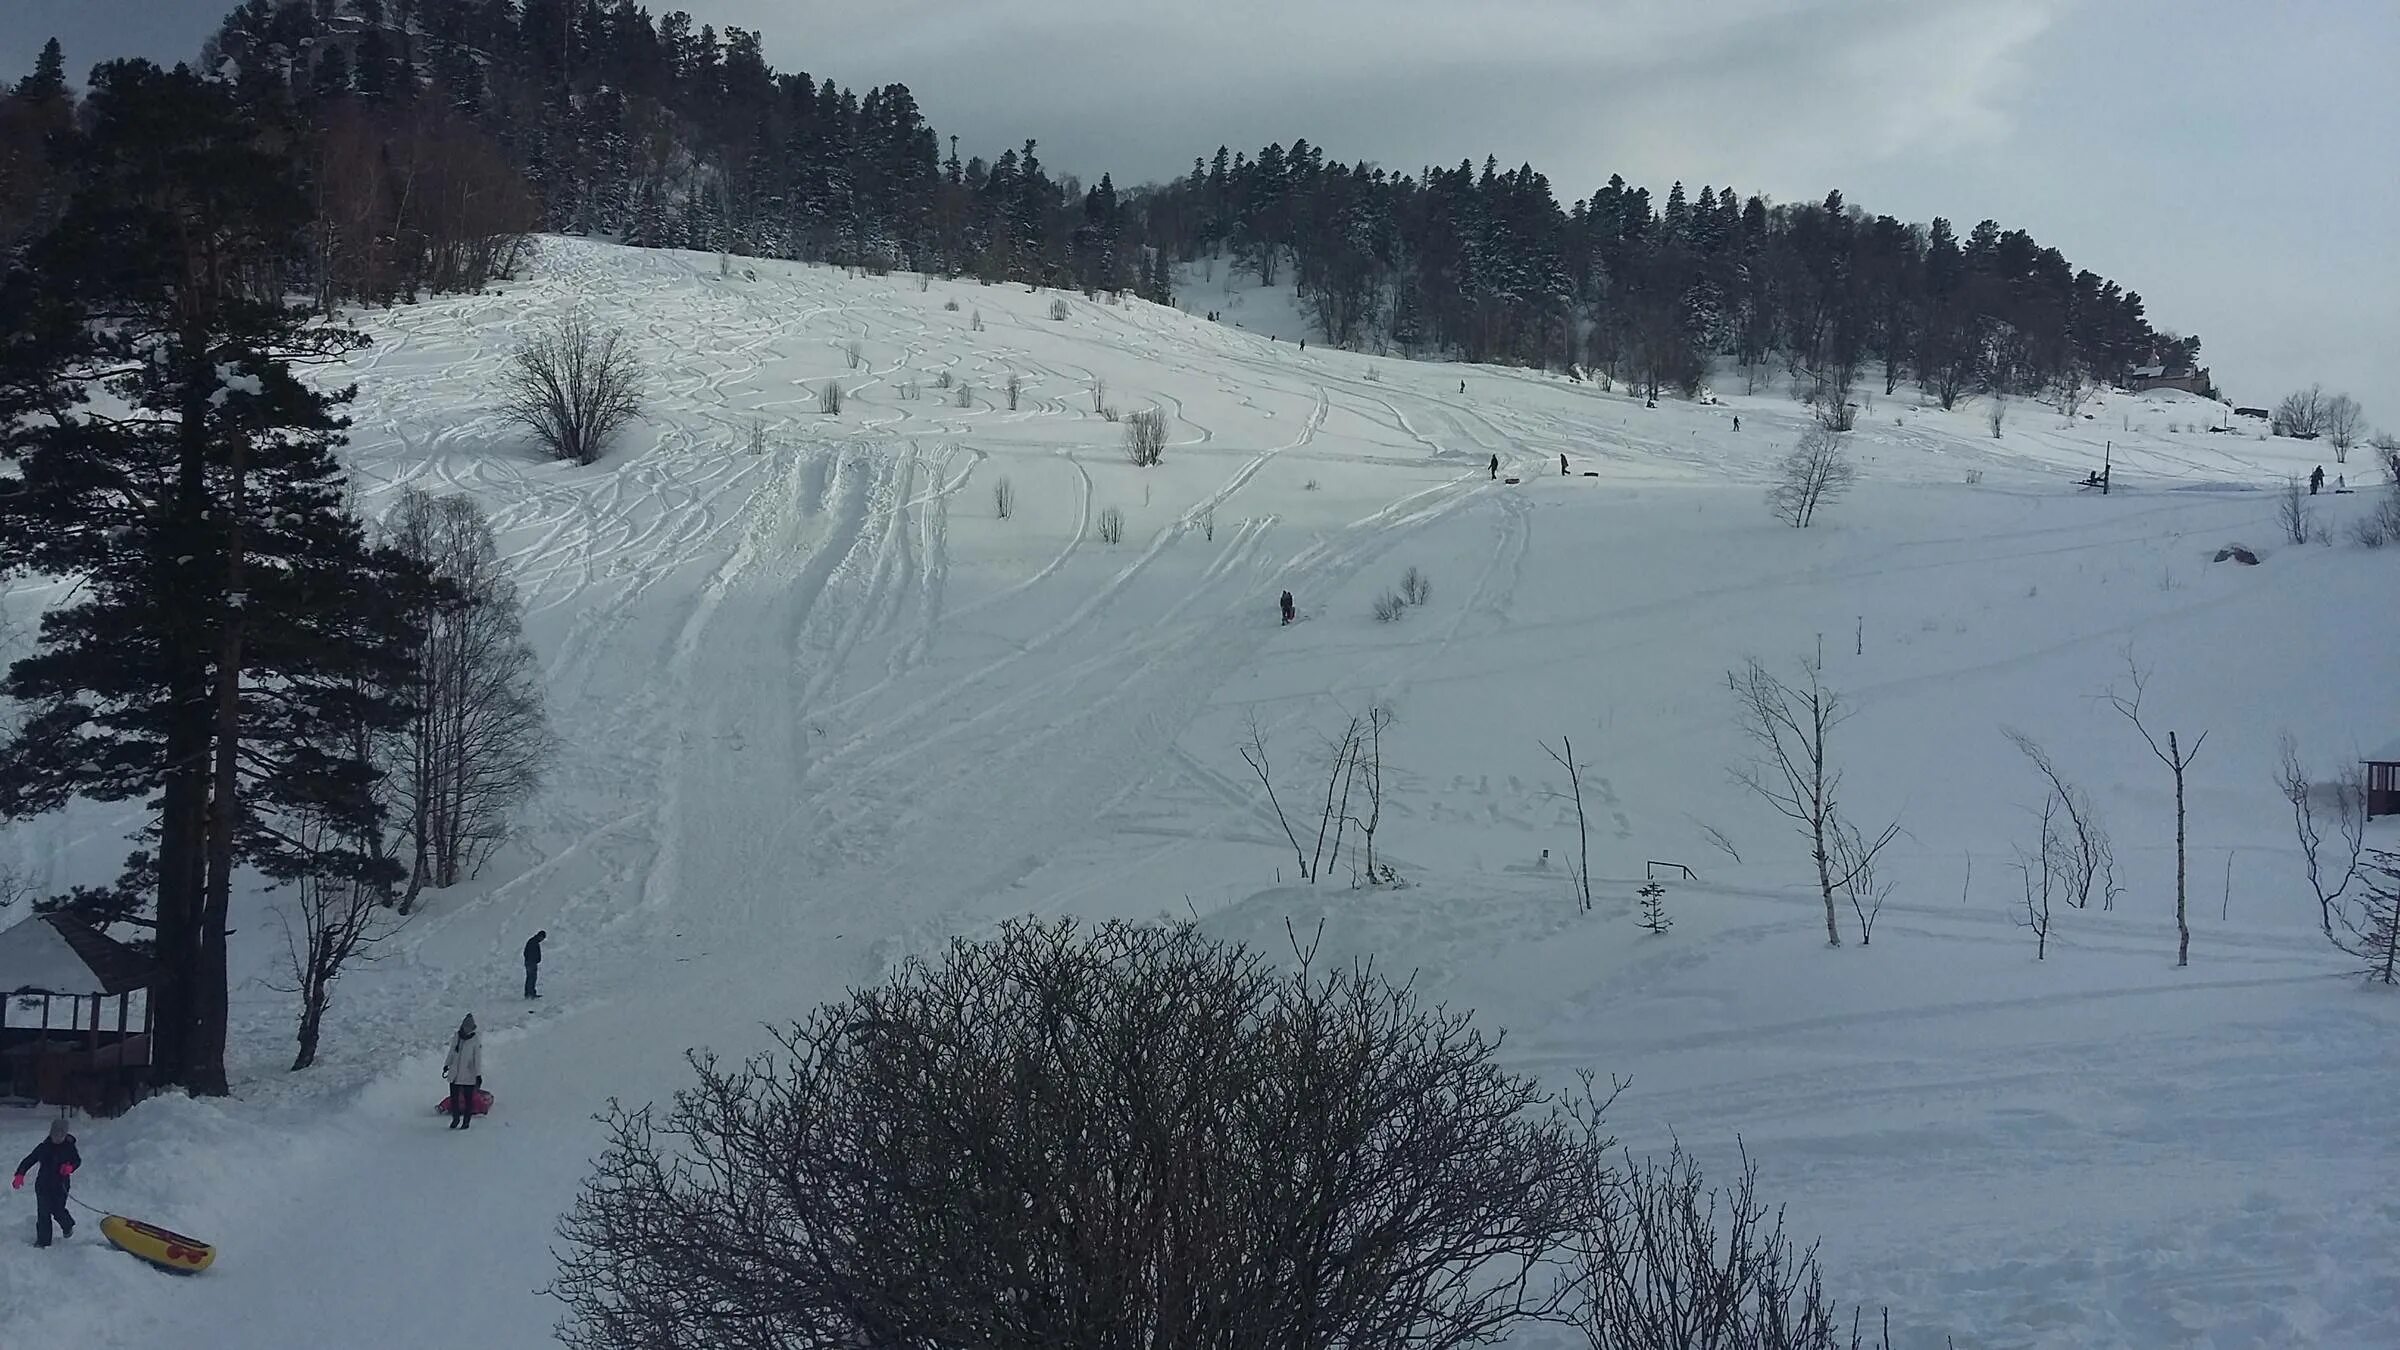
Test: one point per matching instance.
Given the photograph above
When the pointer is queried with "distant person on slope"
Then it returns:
(1495, 468)
(57, 1159)
(533, 962)
(1562, 464)
(1290, 610)
(2316, 479)
(464, 1071)
(1737, 421)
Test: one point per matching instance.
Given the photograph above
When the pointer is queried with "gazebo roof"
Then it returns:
(2389, 754)
(54, 954)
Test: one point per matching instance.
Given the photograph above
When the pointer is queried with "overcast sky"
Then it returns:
(2231, 160)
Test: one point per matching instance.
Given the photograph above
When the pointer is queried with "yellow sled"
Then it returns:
(165, 1250)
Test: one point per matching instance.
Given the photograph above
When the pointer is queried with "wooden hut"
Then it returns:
(70, 1034)
(2383, 782)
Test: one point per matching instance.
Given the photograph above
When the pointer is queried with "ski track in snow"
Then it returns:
(821, 712)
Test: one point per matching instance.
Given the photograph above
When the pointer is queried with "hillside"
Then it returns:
(823, 708)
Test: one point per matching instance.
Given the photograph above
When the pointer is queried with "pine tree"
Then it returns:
(49, 78)
(1654, 908)
(230, 610)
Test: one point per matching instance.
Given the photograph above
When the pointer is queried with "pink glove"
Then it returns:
(66, 1169)
(19, 1184)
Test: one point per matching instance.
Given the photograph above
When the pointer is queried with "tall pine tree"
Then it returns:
(228, 606)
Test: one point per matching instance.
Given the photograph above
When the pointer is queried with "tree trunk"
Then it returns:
(207, 1069)
(312, 1018)
(2183, 927)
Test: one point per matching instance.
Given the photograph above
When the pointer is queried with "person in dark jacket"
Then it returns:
(1562, 466)
(1495, 468)
(1290, 610)
(56, 1159)
(2316, 479)
(533, 962)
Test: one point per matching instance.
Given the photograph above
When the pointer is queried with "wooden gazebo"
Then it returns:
(2383, 781)
(85, 1054)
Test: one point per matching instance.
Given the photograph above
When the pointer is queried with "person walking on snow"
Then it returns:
(57, 1160)
(533, 962)
(1737, 421)
(1562, 464)
(1495, 468)
(464, 1070)
(1290, 610)
(2316, 479)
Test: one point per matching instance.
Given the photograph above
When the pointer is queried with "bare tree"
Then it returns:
(1112, 525)
(1414, 587)
(1790, 729)
(2349, 803)
(2292, 515)
(2038, 870)
(855, 352)
(1099, 393)
(1583, 826)
(1130, 1136)
(1254, 754)
(1996, 416)
(2301, 414)
(1146, 436)
(1058, 310)
(1367, 762)
(1336, 780)
(480, 740)
(2087, 859)
(1004, 498)
(1865, 886)
(1016, 389)
(1814, 473)
(2371, 925)
(2127, 700)
(574, 387)
(2072, 388)
(2342, 422)
(829, 398)
(333, 922)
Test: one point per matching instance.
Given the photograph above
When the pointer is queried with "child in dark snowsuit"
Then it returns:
(1290, 611)
(57, 1160)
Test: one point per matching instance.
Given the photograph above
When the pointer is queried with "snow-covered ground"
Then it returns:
(821, 709)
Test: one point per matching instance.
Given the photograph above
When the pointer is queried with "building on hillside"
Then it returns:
(2260, 413)
(2161, 377)
(58, 1056)
(2383, 781)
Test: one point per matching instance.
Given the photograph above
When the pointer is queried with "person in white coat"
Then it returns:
(464, 1070)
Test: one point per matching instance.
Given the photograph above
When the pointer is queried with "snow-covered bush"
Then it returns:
(829, 398)
(1389, 607)
(1112, 525)
(1146, 437)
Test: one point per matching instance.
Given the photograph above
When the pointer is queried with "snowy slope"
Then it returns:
(821, 709)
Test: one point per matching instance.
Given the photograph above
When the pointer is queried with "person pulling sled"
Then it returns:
(52, 1161)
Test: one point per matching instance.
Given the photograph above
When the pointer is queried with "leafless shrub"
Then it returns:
(1085, 1140)
(2292, 515)
(1016, 389)
(1108, 415)
(1672, 1263)
(574, 387)
(976, 323)
(1208, 524)
(2330, 874)
(2301, 414)
(2081, 854)
(2370, 928)
(855, 353)
(1310, 486)
(1100, 395)
(1974, 476)
(950, 305)
(924, 282)
(1997, 416)
(1814, 473)
(2037, 870)
(1374, 374)
(829, 398)
(1146, 436)
(1112, 525)
(1862, 884)
(1414, 587)
(1389, 607)
(1565, 756)
(1004, 499)
(964, 397)
(908, 391)
(1790, 729)
(1058, 310)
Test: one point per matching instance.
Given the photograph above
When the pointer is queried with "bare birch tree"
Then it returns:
(2087, 856)
(2371, 925)
(1254, 754)
(2127, 700)
(1790, 729)
(480, 740)
(2038, 868)
(1814, 473)
(1583, 825)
